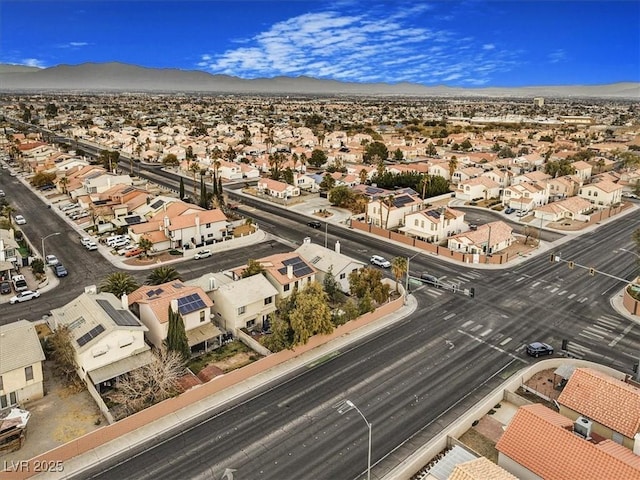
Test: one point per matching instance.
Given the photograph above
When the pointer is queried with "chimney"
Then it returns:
(290, 271)
(125, 301)
(212, 284)
(306, 240)
(174, 305)
(337, 246)
(636, 444)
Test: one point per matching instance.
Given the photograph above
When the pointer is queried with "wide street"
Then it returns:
(410, 379)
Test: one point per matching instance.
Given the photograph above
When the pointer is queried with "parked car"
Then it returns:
(5, 288)
(24, 296)
(473, 227)
(1, 193)
(19, 283)
(134, 252)
(380, 261)
(59, 270)
(522, 213)
(314, 224)
(91, 246)
(121, 243)
(51, 260)
(86, 241)
(509, 210)
(20, 220)
(536, 349)
(202, 254)
(430, 279)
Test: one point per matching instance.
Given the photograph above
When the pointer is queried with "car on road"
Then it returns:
(59, 270)
(5, 288)
(536, 349)
(24, 296)
(430, 279)
(91, 246)
(86, 241)
(380, 261)
(509, 210)
(202, 254)
(20, 220)
(1, 193)
(473, 227)
(314, 224)
(51, 260)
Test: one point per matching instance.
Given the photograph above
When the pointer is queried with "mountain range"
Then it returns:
(120, 77)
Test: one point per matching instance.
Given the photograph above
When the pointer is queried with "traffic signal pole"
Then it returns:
(592, 270)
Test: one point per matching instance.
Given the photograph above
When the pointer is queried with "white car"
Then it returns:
(24, 296)
(20, 220)
(86, 241)
(91, 246)
(380, 261)
(202, 254)
(51, 260)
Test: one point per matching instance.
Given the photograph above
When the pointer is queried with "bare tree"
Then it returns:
(64, 355)
(150, 384)
(530, 232)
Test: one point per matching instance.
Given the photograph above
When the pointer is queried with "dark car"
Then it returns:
(509, 210)
(59, 270)
(5, 288)
(536, 349)
(430, 279)
(314, 224)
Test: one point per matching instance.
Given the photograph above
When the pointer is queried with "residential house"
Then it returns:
(285, 271)
(488, 238)
(390, 212)
(501, 176)
(21, 357)
(603, 193)
(243, 303)
(525, 196)
(9, 254)
(99, 182)
(540, 443)
(249, 172)
(563, 187)
(434, 224)
(182, 225)
(463, 174)
(306, 182)
(326, 259)
(277, 189)
(583, 169)
(572, 208)
(479, 469)
(151, 303)
(108, 341)
(530, 177)
(610, 407)
(230, 170)
(478, 188)
(440, 168)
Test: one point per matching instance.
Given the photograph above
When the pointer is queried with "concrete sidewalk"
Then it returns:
(126, 443)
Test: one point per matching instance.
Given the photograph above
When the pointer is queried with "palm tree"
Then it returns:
(64, 181)
(119, 283)
(398, 268)
(162, 275)
(8, 211)
(389, 202)
(195, 169)
(453, 164)
(145, 245)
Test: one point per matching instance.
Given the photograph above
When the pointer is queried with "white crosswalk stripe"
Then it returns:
(590, 335)
(611, 322)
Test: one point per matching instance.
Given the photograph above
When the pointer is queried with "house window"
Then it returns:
(13, 400)
(343, 276)
(1, 385)
(242, 310)
(286, 287)
(208, 225)
(251, 323)
(296, 284)
(415, 222)
(202, 316)
(28, 373)
(268, 300)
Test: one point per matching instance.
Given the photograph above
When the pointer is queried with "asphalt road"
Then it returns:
(410, 380)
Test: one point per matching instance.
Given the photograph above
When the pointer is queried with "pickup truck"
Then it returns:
(19, 283)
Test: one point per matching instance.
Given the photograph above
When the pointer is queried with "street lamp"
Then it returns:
(344, 408)
(43, 239)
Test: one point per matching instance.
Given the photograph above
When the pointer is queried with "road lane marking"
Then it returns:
(451, 315)
(554, 289)
(535, 284)
(476, 328)
(505, 341)
(621, 336)
(480, 340)
(486, 332)
(520, 279)
(562, 292)
(590, 335)
(571, 296)
(466, 324)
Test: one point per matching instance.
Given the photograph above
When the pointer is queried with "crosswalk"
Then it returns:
(553, 289)
(461, 281)
(606, 329)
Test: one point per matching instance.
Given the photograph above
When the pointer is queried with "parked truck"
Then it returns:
(19, 283)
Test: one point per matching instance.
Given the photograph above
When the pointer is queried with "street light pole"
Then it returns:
(43, 239)
(406, 283)
(344, 408)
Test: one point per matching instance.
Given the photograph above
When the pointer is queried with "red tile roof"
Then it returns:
(543, 442)
(604, 399)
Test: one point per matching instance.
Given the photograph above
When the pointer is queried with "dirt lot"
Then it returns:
(62, 415)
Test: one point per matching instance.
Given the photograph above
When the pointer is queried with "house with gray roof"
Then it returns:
(107, 338)
(21, 357)
(325, 259)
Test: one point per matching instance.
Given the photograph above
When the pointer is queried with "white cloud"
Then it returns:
(381, 46)
(557, 56)
(73, 45)
(32, 62)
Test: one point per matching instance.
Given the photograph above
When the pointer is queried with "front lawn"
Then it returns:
(229, 350)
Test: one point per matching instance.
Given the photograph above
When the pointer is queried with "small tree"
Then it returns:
(161, 275)
(253, 268)
(177, 336)
(368, 280)
(331, 286)
(311, 314)
(181, 188)
(318, 158)
(399, 268)
(64, 355)
(37, 266)
(150, 384)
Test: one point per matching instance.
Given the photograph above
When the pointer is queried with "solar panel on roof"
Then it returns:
(133, 220)
(433, 213)
(157, 204)
(300, 268)
(123, 318)
(91, 334)
(190, 303)
(127, 190)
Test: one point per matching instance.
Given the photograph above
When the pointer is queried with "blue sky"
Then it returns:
(458, 43)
